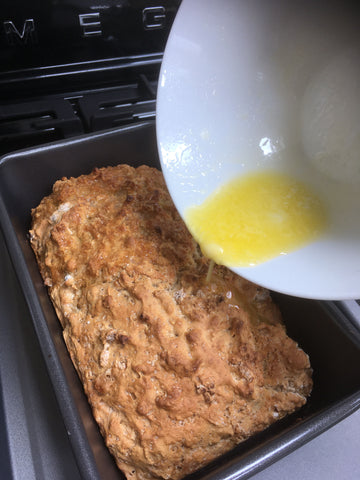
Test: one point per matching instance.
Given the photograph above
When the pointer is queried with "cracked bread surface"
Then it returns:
(177, 370)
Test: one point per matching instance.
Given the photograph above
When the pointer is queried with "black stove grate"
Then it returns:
(30, 123)
(118, 106)
(55, 117)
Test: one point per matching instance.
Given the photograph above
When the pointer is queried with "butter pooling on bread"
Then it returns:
(177, 370)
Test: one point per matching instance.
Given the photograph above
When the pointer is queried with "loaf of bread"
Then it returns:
(178, 369)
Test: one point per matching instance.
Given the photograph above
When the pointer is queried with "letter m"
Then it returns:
(15, 37)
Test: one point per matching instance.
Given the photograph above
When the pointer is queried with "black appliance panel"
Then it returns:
(43, 33)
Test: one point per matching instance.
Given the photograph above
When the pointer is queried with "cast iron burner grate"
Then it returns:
(55, 117)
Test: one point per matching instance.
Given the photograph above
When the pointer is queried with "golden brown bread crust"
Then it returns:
(177, 370)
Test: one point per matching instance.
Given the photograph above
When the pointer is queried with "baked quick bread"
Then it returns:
(177, 370)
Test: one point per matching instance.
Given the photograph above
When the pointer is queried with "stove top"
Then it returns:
(73, 67)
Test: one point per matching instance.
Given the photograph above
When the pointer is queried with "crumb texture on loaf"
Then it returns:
(177, 370)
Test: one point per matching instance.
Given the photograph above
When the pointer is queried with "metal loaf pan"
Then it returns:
(327, 331)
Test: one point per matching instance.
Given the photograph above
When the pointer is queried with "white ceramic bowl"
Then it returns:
(249, 85)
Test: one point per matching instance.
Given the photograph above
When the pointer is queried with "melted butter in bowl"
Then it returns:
(248, 90)
(257, 217)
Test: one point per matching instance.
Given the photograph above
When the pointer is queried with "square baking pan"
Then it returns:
(328, 331)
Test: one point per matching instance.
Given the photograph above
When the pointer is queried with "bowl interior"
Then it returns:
(253, 85)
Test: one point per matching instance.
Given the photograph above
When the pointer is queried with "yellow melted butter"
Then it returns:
(255, 218)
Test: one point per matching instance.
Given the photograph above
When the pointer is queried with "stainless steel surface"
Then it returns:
(332, 456)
